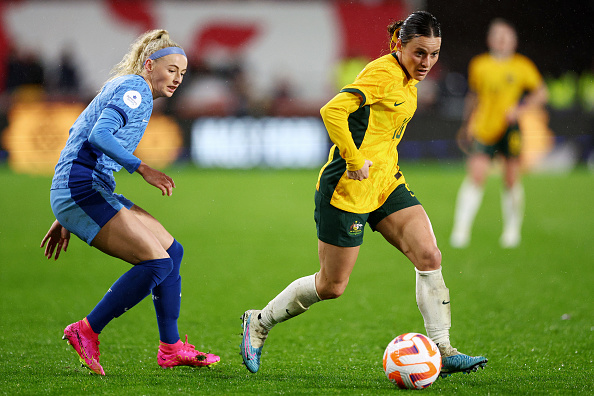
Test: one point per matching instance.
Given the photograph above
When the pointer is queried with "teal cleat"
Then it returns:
(453, 361)
(254, 335)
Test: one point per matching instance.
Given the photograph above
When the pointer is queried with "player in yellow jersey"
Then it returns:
(362, 183)
(501, 84)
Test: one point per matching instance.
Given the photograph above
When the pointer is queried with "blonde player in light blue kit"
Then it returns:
(101, 142)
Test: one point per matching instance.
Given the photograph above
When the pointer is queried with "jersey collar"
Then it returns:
(409, 81)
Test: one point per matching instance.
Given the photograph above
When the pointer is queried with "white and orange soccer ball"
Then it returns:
(412, 361)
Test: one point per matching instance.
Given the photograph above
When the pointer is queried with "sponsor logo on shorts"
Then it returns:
(356, 228)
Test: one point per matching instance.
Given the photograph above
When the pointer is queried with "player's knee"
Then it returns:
(429, 259)
(176, 252)
(510, 181)
(330, 294)
(479, 170)
(478, 179)
(331, 290)
(159, 267)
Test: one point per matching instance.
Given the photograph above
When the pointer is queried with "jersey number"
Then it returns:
(400, 129)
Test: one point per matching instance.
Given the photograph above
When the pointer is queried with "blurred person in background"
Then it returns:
(502, 83)
(362, 183)
(25, 80)
(24, 68)
(101, 142)
(67, 75)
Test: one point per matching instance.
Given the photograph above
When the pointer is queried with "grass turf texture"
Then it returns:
(248, 234)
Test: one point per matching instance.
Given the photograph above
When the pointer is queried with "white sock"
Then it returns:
(293, 301)
(433, 300)
(468, 202)
(512, 210)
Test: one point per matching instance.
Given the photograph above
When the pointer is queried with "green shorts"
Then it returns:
(345, 229)
(510, 144)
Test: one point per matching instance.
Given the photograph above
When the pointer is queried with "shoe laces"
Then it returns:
(257, 329)
(187, 347)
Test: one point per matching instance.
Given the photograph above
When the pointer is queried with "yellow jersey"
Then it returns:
(499, 86)
(367, 120)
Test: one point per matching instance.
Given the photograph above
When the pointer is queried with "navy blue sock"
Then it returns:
(167, 298)
(129, 290)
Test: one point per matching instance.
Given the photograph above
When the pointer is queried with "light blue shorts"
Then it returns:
(85, 210)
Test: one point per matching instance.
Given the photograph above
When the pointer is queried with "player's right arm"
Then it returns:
(471, 99)
(335, 115)
(102, 137)
(470, 104)
(56, 237)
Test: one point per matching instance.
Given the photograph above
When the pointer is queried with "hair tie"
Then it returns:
(167, 51)
(394, 40)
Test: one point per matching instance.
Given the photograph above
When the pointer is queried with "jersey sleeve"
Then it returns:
(128, 99)
(102, 137)
(335, 115)
(533, 79)
(473, 75)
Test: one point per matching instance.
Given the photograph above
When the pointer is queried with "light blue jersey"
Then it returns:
(81, 162)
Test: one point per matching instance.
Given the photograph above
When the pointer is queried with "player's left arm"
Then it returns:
(537, 97)
(534, 99)
(537, 92)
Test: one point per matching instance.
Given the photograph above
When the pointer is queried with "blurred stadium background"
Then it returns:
(260, 71)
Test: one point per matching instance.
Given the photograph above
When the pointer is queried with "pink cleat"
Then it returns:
(184, 354)
(86, 344)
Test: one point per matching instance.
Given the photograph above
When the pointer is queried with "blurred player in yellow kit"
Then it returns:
(502, 84)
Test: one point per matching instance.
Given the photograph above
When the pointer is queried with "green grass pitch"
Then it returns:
(248, 234)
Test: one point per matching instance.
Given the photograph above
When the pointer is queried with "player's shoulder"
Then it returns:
(522, 59)
(480, 59)
(132, 82)
(385, 66)
(482, 64)
(132, 90)
(384, 62)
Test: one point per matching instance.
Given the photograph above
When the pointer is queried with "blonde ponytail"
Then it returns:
(140, 50)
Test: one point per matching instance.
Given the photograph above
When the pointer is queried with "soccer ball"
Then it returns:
(412, 361)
